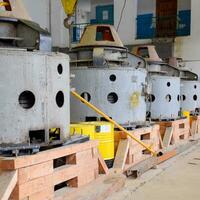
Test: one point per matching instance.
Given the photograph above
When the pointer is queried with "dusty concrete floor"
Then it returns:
(176, 179)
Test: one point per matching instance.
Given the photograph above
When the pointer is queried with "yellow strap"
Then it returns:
(4, 4)
(69, 6)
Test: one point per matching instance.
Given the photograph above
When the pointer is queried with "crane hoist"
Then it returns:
(69, 8)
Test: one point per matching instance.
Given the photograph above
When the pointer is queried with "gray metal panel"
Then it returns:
(188, 91)
(20, 71)
(58, 117)
(23, 34)
(96, 82)
(162, 86)
(136, 61)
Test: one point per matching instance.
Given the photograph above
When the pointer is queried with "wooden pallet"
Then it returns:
(41, 176)
(174, 132)
(194, 127)
(129, 152)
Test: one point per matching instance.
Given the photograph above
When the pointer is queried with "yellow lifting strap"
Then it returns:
(76, 95)
(69, 6)
(4, 4)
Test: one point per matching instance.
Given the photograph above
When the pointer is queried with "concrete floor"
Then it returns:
(176, 179)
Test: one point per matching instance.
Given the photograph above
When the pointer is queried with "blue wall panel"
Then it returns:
(145, 26)
(101, 12)
(184, 23)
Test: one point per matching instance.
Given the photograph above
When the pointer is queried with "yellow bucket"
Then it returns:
(101, 131)
(186, 114)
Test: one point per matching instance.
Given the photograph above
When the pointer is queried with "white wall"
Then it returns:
(60, 35)
(184, 4)
(82, 11)
(188, 47)
(127, 29)
(146, 7)
(39, 11)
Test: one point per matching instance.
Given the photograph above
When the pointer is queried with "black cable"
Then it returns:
(122, 11)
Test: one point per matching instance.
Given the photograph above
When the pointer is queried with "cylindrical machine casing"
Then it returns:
(117, 91)
(34, 98)
(164, 101)
(190, 97)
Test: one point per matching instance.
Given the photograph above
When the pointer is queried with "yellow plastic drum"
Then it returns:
(101, 131)
(186, 114)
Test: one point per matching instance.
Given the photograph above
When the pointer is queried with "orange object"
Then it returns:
(107, 35)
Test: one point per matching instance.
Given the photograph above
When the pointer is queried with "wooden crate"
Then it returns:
(194, 127)
(43, 174)
(174, 132)
(129, 152)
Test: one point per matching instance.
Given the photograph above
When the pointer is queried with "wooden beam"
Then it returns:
(167, 136)
(25, 161)
(8, 180)
(103, 169)
(166, 156)
(142, 167)
(193, 129)
(121, 155)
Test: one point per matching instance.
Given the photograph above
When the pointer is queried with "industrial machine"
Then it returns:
(18, 30)
(109, 77)
(164, 101)
(34, 85)
(190, 98)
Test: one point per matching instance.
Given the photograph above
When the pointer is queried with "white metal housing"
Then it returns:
(34, 90)
(190, 96)
(164, 101)
(117, 91)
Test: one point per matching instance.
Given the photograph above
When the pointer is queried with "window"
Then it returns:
(143, 52)
(104, 34)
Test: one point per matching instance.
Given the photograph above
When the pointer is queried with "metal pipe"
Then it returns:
(76, 95)
(50, 21)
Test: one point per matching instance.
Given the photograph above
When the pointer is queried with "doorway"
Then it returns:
(166, 18)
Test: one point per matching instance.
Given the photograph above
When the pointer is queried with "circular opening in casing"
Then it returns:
(86, 96)
(26, 99)
(60, 69)
(148, 114)
(195, 97)
(195, 86)
(112, 97)
(168, 84)
(183, 97)
(150, 98)
(60, 99)
(178, 98)
(168, 98)
(113, 77)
